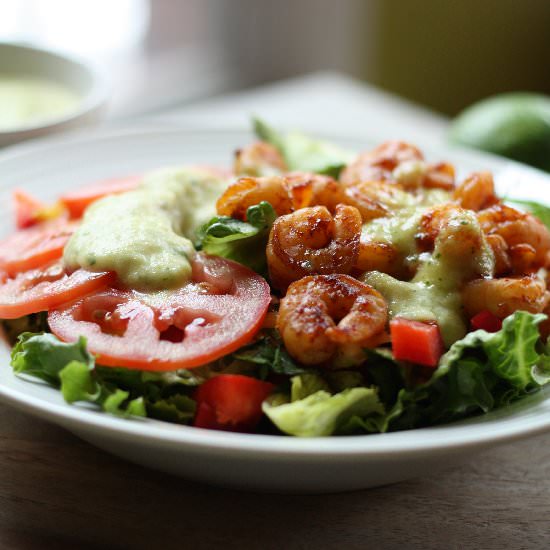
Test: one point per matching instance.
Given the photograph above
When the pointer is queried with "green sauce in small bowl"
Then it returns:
(28, 100)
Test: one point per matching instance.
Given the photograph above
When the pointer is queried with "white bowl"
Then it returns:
(76, 75)
(258, 462)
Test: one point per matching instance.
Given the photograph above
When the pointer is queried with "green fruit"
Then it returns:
(514, 125)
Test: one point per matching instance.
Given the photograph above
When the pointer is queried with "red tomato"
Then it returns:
(77, 201)
(34, 247)
(487, 321)
(27, 209)
(165, 331)
(40, 289)
(416, 342)
(231, 402)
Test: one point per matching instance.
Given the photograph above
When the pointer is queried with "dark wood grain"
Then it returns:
(58, 492)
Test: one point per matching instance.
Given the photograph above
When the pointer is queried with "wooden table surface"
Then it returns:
(61, 493)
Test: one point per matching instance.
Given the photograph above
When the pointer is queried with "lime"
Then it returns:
(514, 125)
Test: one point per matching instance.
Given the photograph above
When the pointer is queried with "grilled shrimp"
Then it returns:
(323, 313)
(439, 176)
(316, 190)
(527, 238)
(416, 174)
(379, 164)
(500, 251)
(476, 192)
(259, 159)
(400, 163)
(311, 241)
(505, 295)
(455, 229)
(246, 192)
(300, 190)
(379, 256)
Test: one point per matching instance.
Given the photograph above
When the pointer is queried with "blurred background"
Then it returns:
(162, 53)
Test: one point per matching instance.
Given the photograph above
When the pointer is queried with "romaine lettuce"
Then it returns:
(320, 413)
(122, 392)
(304, 154)
(479, 373)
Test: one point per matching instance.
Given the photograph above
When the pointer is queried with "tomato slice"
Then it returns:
(40, 289)
(34, 247)
(416, 342)
(77, 201)
(231, 402)
(27, 209)
(163, 331)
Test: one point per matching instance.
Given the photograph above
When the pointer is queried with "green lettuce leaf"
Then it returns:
(304, 154)
(479, 373)
(177, 408)
(322, 414)
(43, 355)
(79, 382)
(386, 374)
(118, 391)
(244, 242)
(270, 355)
(305, 385)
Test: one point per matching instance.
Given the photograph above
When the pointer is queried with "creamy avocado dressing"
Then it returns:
(144, 235)
(410, 172)
(398, 230)
(26, 100)
(460, 254)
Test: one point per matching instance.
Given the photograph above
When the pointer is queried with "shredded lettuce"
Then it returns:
(319, 413)
(304, 154)
(269, 355)
(122, 392)
(43, 355)
(244, 242)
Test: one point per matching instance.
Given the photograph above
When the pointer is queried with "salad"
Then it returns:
(308, 291)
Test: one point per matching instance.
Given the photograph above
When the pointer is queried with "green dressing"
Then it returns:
(460, 253)
(26, 100)
(145, 235)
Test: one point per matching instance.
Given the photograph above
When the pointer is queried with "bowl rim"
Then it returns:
(456, 436)
(94, 98)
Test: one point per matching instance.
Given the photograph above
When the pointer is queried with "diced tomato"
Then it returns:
(77, 201)
(27, 209)
(416, 342)
(43, 288)
(487, 321)
(183, 328)
(34, 247)
(231, 402)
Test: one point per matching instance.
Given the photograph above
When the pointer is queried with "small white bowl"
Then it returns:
(76, 75)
